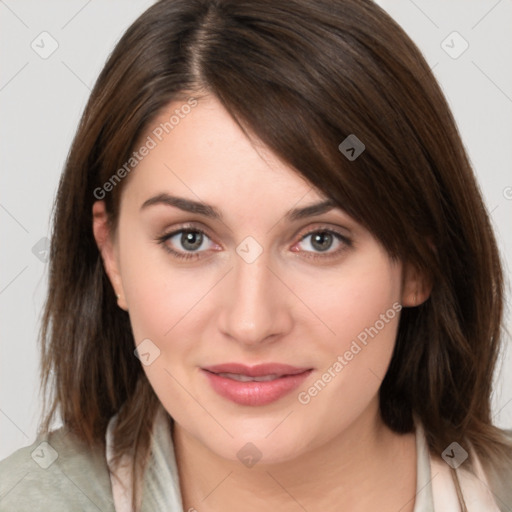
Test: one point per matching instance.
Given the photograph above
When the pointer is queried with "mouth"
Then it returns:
(255, 385)
(247, 378)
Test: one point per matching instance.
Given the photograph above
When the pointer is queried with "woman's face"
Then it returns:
(241, 279)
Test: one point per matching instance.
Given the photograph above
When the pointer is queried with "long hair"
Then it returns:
(300, 76)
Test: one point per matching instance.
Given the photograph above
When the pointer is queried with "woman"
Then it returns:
(273, 279)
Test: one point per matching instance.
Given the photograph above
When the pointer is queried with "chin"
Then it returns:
(259, 444)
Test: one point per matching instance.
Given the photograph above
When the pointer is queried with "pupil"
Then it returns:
(191, 240)
(322, 241)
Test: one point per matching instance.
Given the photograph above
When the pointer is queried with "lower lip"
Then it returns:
(255, 393)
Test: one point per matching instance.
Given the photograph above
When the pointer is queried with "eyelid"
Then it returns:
(326, 227)
(186, 226)
(301, 233)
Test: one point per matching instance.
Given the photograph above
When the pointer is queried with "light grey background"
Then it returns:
(41, 100)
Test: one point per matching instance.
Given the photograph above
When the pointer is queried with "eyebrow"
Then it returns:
(188, 205)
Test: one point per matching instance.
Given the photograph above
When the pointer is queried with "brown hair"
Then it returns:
(300, 76)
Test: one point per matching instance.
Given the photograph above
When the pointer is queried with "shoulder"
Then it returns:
(499, 476)
(58, 473)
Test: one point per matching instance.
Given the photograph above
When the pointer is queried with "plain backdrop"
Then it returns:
(466, 42)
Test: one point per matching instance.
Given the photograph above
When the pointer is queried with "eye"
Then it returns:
(186, 243)
(189, 243)
(320, 243)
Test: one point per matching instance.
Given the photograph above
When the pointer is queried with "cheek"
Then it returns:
(357, 301)
(163, 307)
(158, 294)
(368, 317)
(362, 306)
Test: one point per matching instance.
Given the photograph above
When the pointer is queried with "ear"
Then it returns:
(416, 287)
(103, 237)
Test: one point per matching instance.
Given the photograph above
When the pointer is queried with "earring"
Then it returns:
(124, 308)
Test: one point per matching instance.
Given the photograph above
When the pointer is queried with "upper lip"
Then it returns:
(258, 370)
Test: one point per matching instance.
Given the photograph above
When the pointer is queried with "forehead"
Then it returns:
(201, 153)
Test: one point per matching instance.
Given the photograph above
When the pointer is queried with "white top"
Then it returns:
(436, 490)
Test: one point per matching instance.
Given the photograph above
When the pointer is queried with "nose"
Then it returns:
(256, 307)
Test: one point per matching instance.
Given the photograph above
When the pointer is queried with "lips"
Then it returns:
(254, 385)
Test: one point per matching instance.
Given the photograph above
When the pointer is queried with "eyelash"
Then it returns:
(347, 243)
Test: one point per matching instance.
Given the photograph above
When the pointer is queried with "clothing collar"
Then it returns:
(161, 490)
(435, 485)
(441, 488)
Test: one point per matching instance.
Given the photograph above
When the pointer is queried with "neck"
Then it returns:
(366, 467)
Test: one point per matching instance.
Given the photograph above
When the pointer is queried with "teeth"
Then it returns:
(246, 378)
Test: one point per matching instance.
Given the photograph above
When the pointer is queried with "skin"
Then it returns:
(286, 306)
